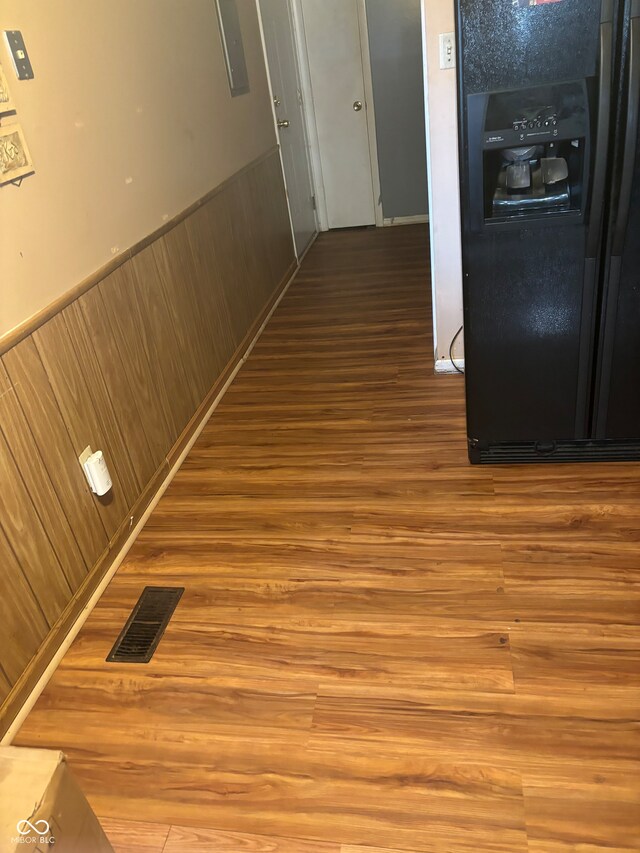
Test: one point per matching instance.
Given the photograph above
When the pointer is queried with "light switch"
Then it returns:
(447, 50)
(19, 55)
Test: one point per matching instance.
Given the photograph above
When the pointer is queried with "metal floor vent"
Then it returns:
(140, 636)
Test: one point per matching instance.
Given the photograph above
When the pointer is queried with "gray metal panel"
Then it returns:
(233, 46)
(395, 43)
(19, 55)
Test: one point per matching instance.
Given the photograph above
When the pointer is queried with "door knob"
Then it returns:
(283, 123)
(357, 106)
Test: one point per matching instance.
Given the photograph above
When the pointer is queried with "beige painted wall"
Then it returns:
(129, 120)
(444, 203)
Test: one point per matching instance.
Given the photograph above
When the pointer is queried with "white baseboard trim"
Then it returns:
(44, 679)
(406, 220)
(445, 365)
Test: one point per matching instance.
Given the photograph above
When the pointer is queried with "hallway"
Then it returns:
(379, 647)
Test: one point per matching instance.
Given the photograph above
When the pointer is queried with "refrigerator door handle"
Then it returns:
(630, 137)
(585, 353)
(602, 134)
(620, 229)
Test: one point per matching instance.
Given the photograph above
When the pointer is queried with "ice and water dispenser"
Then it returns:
(528, 154)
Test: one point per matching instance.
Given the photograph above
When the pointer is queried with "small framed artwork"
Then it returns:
(6, 101)
(15, 160)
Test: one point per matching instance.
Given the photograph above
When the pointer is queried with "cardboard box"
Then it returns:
(42, 807)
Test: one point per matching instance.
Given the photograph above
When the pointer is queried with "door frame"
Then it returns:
(302, 69)
(309, 111)
(370, 108)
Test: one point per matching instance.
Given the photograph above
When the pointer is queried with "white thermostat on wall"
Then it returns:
(96, 471)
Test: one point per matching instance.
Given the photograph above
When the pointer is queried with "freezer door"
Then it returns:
(529, 286)
(617, 402)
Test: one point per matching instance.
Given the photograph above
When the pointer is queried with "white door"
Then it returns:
(284, 75)
(332, 32)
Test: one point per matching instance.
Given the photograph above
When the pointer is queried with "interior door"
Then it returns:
(284, 74)
(332, 31)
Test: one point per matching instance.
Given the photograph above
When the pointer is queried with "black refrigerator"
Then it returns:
(548, 101)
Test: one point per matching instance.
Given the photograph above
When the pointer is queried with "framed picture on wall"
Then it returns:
(6, 101)
(15, 160)
(232, 46)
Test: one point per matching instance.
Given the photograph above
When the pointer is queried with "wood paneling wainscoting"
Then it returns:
(128, 362)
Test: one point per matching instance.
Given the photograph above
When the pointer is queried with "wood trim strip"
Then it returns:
(59, 631)
(14, 336)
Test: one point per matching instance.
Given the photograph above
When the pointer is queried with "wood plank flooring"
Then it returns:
(380, 649)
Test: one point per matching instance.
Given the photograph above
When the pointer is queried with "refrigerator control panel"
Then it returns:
(548, 118)
(533, 132)
(535, 116)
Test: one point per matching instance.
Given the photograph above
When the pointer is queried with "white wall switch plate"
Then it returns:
(447, 50)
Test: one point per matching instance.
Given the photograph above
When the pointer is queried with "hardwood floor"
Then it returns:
(380, 648)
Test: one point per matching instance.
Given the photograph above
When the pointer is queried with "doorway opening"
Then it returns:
(347, 84)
